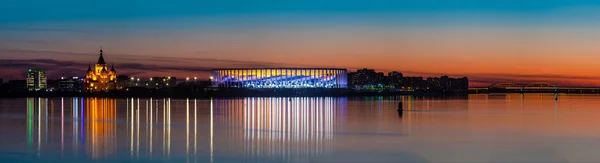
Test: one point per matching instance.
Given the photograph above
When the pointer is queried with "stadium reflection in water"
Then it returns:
(280, 129)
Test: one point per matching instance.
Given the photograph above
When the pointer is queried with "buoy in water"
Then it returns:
(400, 106)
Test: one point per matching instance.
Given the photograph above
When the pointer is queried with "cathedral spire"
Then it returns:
(101, 59)
(112, 68)
(89, 68)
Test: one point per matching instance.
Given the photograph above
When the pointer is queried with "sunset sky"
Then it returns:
(556, 41)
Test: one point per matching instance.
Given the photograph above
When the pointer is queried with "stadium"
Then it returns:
(280, 78)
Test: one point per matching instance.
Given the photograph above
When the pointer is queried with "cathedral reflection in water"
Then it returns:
(282, 129)
(80, 125)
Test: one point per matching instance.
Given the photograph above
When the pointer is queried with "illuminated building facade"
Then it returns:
(100, 78)
(280, 78)
(36, 80)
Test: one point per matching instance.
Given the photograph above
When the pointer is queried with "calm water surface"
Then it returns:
(477, 128)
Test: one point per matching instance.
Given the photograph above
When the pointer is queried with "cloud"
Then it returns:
(143, 65)
(138, 66)
(56, 68)
(45, 29)
(23, 63)
(227, 63)
(17, 52)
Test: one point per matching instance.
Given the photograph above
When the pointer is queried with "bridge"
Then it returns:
(535, 87)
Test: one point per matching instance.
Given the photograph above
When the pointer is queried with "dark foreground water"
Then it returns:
(477, 128)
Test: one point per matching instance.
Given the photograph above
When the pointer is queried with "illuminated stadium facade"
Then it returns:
(280, 78)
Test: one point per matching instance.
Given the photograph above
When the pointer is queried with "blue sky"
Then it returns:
(68, 10)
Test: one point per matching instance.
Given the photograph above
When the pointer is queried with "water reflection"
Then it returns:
(280, 128)
(284, 129)
(100, 135)
(144, 115)
(400, 112)
(96, 136)
(94, 131)
(485, 127)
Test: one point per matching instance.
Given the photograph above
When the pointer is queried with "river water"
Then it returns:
(475, 128)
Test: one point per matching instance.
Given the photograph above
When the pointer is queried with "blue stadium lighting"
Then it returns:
(280, 78)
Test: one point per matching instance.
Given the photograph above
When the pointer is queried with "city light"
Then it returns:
(280, 78)
(195, 78)
(187, 78)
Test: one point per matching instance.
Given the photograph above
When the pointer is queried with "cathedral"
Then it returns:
(100, 78)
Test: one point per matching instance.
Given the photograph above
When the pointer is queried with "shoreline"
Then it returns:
(257, 93)
(228, 94)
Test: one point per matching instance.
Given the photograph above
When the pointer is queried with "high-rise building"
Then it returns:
(363, 77)
(369, 79)
(461, 84)
(36, 80)
(100, 78)
(395, 79)
(414, 83)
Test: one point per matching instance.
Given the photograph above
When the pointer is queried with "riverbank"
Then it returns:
(227, 93)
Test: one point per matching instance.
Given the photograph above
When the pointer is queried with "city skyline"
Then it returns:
(489, 42)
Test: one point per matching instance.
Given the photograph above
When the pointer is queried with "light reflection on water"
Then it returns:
(278, 129)
(514, 127)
